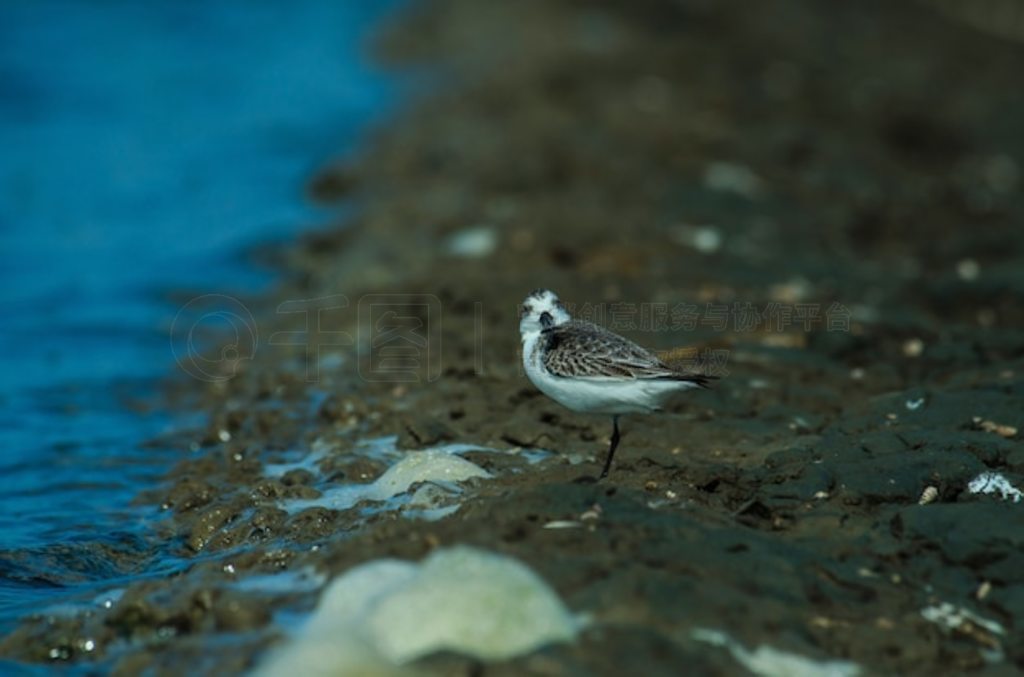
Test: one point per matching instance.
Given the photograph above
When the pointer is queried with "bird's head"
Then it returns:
(541, 309)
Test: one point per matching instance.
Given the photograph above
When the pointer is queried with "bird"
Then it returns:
(590, 369)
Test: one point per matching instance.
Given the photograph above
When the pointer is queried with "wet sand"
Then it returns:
(823, 201)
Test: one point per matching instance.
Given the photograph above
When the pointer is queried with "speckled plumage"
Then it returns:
(578, 349)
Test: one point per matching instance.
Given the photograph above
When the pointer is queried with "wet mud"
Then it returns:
(823, 200)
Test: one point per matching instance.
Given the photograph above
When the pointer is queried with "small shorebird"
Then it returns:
(592, 370)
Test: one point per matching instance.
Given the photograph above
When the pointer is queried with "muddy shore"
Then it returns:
(822, 201)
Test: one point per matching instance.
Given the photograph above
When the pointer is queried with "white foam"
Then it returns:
(381, 616)
(950, 618)
(380, 449)
(310, 462)
(770, 662)
(384, 449)
(305, 579)
(995, 483)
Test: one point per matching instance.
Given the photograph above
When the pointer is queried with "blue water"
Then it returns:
(143, 146)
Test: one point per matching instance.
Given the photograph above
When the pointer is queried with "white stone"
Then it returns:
(431, 465)
(473, 243)
(766, 661)
(380, 616)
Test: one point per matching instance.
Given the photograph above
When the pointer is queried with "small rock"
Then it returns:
(729, 177)
(968, 270)
(914, 405)
(473, 243)
(913, 347)
(1006, 431)
(705, 239)
(929, 495)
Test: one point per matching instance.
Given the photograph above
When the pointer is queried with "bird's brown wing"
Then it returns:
(585, 350)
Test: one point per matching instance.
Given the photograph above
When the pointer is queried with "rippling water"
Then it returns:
(144, 145)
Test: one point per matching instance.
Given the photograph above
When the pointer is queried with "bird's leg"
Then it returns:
(612, 447)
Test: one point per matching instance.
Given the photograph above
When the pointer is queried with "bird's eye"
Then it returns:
(546, 320)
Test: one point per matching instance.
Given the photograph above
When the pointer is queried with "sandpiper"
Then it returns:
(590, 369)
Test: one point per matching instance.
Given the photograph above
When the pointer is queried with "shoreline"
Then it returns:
(659, 164)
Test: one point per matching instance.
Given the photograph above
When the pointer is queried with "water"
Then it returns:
(142, 147)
